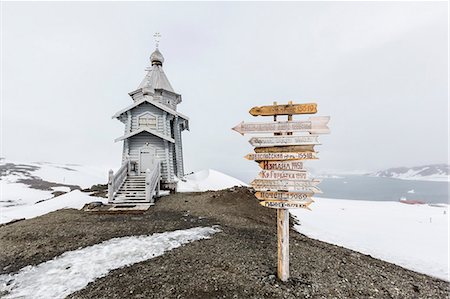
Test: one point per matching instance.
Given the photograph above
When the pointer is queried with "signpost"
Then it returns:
(314, 125)
(289, 109)
(283, 204)
(263, 195)
(282, 165)
(283, 174)
(281, 156)
(283, 183)
(284, 140)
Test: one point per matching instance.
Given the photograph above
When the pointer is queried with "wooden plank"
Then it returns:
(283, 244)
(284, 204)
(314, 125)
(285, 183)
(281, 156)
(285, 149)
(292, 165)
(290, 109)
(284, 140)
(279, 195)
(283, 175)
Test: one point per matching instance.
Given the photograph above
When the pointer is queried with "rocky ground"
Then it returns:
(239, 262)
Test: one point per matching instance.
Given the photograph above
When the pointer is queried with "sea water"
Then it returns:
(363, 187)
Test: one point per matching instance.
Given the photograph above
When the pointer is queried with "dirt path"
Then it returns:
(239, 262)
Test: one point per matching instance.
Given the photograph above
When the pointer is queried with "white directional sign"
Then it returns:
(283, 175)
(284, 140)
(311, 189)
(314, 125)
(281, 156)
(285, 183)
(282, 204)
(282, 165)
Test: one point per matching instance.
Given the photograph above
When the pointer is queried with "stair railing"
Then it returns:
(116, 180)
(152, 178)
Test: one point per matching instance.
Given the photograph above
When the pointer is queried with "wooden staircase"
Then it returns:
(131, 191)
(127, 189)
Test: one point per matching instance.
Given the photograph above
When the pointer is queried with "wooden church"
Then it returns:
(152, 157)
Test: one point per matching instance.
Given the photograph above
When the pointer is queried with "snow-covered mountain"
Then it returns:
(434, 172)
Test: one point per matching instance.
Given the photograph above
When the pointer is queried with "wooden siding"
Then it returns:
(138, 141)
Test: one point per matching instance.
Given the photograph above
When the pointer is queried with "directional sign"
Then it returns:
(277, 195)
(285, 149)
(314, 125)
(284, 140)
(285, 183)
(312, 189)
(282, 165)
(291, 109)
(281, 156)
(282, 204)
(283, 175)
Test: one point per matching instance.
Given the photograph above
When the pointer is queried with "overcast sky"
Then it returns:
(378, 69)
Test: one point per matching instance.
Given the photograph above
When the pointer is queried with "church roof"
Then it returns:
(138, 131)
(154, 103)
(156, 78)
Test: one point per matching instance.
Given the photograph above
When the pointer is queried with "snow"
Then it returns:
(70, 174)
(75, 200)
(73, 270)
(412, 236)
(16, 194)
(208, 179)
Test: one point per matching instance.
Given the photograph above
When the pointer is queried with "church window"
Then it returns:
(148, 120)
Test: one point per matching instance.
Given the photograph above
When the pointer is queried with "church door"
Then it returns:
(147, 159)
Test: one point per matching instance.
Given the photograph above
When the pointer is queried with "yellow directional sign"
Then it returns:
(279, 195)
(283, 204)
(289, 109)
(283, 175)
(282, 165)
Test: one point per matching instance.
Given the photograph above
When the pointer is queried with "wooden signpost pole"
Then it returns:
(283, 235)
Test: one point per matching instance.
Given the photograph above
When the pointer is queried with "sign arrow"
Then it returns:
(283, 175)
(281, 156)
(284, 140)
(277, 195)
(282, 204)
(285, 149)
(314, 125)
(290, 109)
(282, 165)
(285, 183)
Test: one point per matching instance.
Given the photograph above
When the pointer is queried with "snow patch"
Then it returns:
(412, 236)
(72, 200)
(208, 179)
(73, 270)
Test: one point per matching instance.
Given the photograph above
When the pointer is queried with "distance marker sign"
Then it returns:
(283, 204)
(314, 125)
(289, 109)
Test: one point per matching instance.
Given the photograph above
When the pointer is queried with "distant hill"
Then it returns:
(433, 172)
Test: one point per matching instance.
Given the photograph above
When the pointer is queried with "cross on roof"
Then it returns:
(157, 37)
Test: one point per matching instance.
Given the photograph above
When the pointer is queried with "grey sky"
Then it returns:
(378, 69)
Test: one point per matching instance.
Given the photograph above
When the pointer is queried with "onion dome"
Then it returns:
(156, 58)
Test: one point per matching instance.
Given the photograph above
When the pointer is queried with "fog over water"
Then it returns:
(378, 69)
